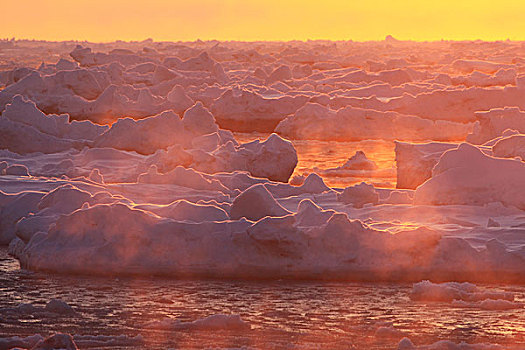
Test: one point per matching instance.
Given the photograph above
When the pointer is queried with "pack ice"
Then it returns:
(124, 158)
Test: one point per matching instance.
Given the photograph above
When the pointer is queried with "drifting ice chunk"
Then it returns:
(59, 307)
(359, 161)
(24, 111)
(449, 291)
(457, 179)
(281, 73)
(108, 341)
(249, 111)
(398, 197)
(274, 159)
(96, 176)
(492, 223)
(406, 344)
(468, 66)
(414, 161)
(488, 304)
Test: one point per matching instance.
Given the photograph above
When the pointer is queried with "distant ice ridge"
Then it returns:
(164, 140)
(317, 122)
(255, 87)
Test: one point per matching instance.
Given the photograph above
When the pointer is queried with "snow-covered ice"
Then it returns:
(215, 159)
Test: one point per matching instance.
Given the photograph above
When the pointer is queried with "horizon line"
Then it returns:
(150, 39)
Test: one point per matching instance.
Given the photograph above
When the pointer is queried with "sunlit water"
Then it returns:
(322, 155)
(282, 314)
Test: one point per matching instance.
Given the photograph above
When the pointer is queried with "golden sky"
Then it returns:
(108, 20)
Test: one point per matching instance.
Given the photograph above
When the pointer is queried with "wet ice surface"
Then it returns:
(282, 314)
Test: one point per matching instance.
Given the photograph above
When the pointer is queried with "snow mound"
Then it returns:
(181, 176)
(182, 210)
(359, 195)
(144, 136)
(17, 170)
(313, 184)
(199, 121)
(255, 203)
(510, 147)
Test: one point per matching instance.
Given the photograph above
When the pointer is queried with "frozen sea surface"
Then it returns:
(282, 314)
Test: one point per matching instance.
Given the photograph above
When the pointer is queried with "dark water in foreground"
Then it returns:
(292, 315)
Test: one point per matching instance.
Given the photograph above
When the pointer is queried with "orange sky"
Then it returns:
(108, 20)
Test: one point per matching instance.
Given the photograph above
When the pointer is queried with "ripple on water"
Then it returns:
(316, 314)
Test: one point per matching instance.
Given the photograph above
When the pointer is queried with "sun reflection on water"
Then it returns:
(323, 155)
